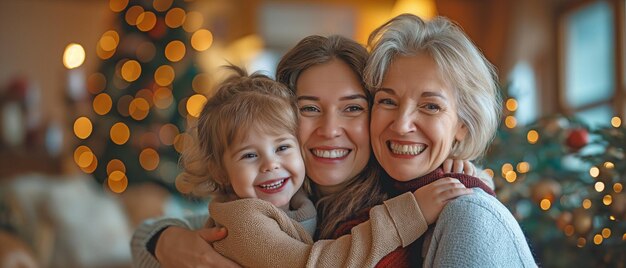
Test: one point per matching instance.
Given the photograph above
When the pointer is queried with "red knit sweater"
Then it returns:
(410, 256)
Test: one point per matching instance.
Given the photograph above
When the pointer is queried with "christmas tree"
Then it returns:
(146, 90)
(563, 182)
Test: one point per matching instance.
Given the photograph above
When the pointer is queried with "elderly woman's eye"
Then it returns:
(432, 107)
(386, 101)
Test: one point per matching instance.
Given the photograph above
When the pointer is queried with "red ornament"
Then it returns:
(577, 138)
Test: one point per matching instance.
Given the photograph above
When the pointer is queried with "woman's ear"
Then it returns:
(461, 132)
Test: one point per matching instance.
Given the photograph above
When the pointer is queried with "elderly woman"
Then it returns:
(435, 97)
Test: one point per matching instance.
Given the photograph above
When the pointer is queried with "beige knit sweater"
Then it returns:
(261, 235)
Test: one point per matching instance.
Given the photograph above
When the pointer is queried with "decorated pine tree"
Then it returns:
(563, 182)
(147, 88)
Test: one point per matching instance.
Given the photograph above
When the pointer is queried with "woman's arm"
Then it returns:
(478, 231)
(161, 242)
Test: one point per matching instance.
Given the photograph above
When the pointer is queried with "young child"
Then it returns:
(248, 159)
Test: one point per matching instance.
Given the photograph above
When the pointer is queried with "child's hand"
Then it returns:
(433, 197)
(459, 166)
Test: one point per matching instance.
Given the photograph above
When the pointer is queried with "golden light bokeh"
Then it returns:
(594, 172)
(117, 181)
(599, 186)
(523, 167)
(92, 167)
(146, 21)
(73, 56)
(115, 165)
(175, 51)
(195, 104)
(145, 94)
(164, 75)
(82, 127)
(597, 239)
(109, 40)
(118, 5)
(168, 133)
(104, 54)
(102, 103)
(96, 82)
(193, 21)
(149, 159)
(202, 40)
(85, 159)
(162, 5)
(616, 121)
(145, 51)
(201, 83)
(510, 121)
(506, 168)
(545, 204)
(132, 14)
(606, 232)
(580, 242)
(607, 200)
(617, 187)
(162, 98)
(568, 230)
(586, 204)
(510, 176)
(609, 165)
(79, 151)
(131, 70)
(138, 108)
(182, 107)
(175, 17)
(123, 103)
(181, 141)
(532, 136)
(120, 133)
(511, 105)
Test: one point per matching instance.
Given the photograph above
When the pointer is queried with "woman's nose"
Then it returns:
(330, 126)
(404, 123)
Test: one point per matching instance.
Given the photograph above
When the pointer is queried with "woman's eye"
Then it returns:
(309, 109)
(354, 108)
(432, 107)
(386, 101)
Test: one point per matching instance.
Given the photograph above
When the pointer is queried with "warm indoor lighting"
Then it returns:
(138, 108)
(117, 181)
(175, 17)
(149, 159)
(201, 83)
(523, 167)
(606, 232)
(168, 133)
(146, 21)
(545, 204)
(201, 40)
(162, 98)
(599, 186)
(617, 187)
(132, 14)
(74, 56)
(510, 176)
(532, 136)
(511, 105)
(119, 133)
(607, 200)
(96, 82)
(616, 121)
(597, 239)
(131, 70)
(164, 75)
(193, 21)
(162, 5)
(102, 104)
(115, 165)
(425, 9)
(175, 51)
(82, 127)
(594, 172)
(117, 5)
(586, 204)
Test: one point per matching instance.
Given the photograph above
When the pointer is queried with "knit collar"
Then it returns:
(399, 187)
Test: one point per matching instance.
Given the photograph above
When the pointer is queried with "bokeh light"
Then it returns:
(195, 104)
(586, 204)
(109, 40)
(607, 200)
(117, 181)
(511, 105)
(82, 127)
(599, 186)
(193, 21)
(510, 121)
(201, 83)
(164, 75)
(146, 51)
(175, 17)
(594, 172)
(145, 94)
(131, 70)
(532, 136)
(510, 176)
(168, 133)
(118, 5)
(149, 159)
(123, 103)
(616, 121)
(115, 165)
(175, 51)
(606, 232)
(162, 5)
(545, 204)
(597, 239)
(146, 21)
(201, 40)
(523, 167)
(74, 56)
(138, 108)
(132, 14)
(102, 103)
(617, 187)
(119, 133)
(96, 82)
(162, 98)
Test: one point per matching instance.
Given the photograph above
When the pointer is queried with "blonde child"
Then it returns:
(249, 160)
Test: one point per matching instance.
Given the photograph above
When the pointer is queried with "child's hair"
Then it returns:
(242, 104)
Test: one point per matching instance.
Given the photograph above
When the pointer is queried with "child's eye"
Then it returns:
(248, 156)
(282, 148)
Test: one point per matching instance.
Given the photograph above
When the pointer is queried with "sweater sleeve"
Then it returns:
(478, 231)
(265, 242)
(141, 256)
